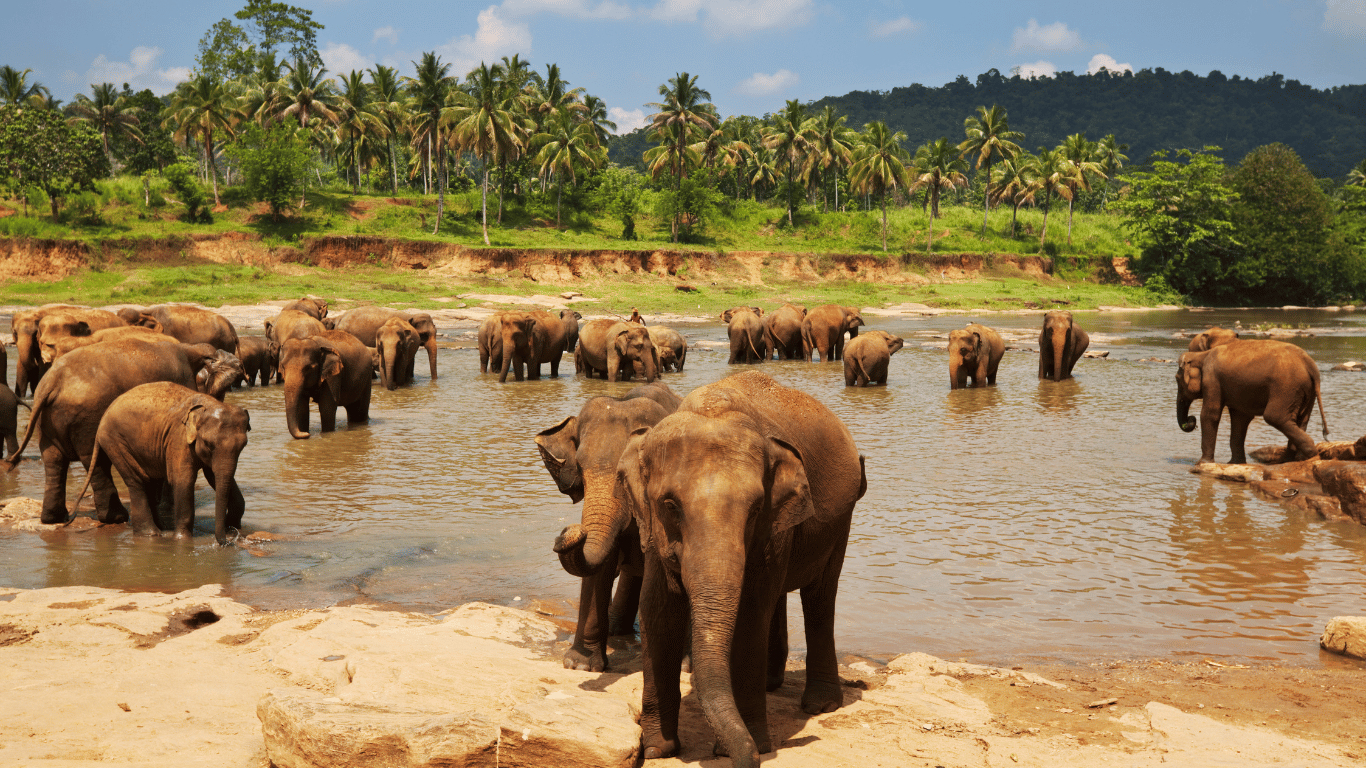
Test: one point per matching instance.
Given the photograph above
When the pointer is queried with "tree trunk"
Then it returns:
(213, 168)
(884, 221)
(986, 200)
(1043, 235)
(1069, 219)
(393, 164)
(484, 204)
(440, 189)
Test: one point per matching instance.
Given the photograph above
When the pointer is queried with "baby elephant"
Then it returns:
(975, 353)
(162, 434)
(866, 357)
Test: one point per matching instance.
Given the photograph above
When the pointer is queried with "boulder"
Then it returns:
(1346, 481)
(1293, 471)
(1350, 366)
(1096, 354)
(1243, 473)
(1345, 635)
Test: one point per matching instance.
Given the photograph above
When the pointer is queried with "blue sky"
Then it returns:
(751, 55)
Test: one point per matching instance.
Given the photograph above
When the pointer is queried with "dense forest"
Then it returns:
(1151, 110)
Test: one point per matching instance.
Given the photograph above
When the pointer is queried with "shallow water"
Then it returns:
(1028, 520)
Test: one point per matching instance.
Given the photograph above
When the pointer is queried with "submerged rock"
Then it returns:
(1346, 481)
(1350, 366)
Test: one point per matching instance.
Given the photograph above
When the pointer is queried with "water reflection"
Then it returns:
(972, 403)
(1057, 396)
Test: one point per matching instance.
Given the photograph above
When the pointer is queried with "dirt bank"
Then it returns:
(45, 259)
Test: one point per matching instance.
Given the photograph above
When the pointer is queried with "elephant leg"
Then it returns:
(327, 417)
(589, 651)
(55, 466)
(237, 503)
(823, 692)
(663, 638)
(777, 646)
(555, 365)
(1210, 413)
(143, 499)
(1238, 424)
(108, 508)
(358, 412)
(1284, 419)
(621, 615)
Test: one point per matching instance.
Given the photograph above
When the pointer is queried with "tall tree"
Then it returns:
(388, 105)
(1052, 175)
(1357, 176)
(284, 29)
(200, 108)
(595, 112)
(489, 125)
(554, 95)
(308, 93)
(108, 112)
(17, 91)
(566, 145)
(430, 90)
(790, 138)
(684, 111)
(989, 137)
(939, 168)
(879, 165)
(832, 145)
(358, 122)
(225, 52)
(1015, 186)
(1110, 155)
(39, 149)
(1082, 154)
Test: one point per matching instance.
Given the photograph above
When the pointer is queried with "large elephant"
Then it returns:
(823, 330)
(784, 327)
(54, 327)
(748, 337)
(396, 344)
(613, 348)
(309, 305)
(742, 495)
(331, 368)
(581, 455)
(73, 396)
(512, 342)
(66, 344)
(195, 325)
(561, 335)
(867, 358)
(363, 322)
(1061, 344)
(1271, 379)
(975, 353)
(1211, 338)
(163, 434)
(292, 324)
(671, 346)
(29, 366)
(9, 417)
(259, 357)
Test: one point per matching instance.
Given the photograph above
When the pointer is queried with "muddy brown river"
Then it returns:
(1026, 521)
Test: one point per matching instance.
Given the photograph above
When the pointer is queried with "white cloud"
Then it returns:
(1108, 62)
(494, 38)
(760, 84)
(901, 26)
(627, 120)
(722, 18)
(573, 8)
(1037, 69)
(1052, 37)
(1346, 17)
(340, 58)
(385, 33)
(140, 71)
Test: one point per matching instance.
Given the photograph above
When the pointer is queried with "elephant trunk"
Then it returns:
(1061, 341)
(389, 366)
(954, 364)
(296, 411)
(584, 549)
(1183, 417)
(713, 583)
(225, 481)
(431, 353)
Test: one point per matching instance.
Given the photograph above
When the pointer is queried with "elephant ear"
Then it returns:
(758, 311)
(727, 315)
(789, 491)
(191, 422)
(1193, 376)
(1200, 343)
(331, 370)
(630, 487)
(559, 448)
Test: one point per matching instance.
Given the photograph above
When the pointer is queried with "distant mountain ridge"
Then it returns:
(1149, 110)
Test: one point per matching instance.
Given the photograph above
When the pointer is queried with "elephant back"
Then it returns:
(363, 322)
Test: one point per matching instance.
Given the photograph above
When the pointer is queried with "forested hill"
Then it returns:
(1148, 110)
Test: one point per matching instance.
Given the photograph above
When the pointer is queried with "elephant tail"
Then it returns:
(750, 338)
(1322, 416)
(89, 473)
(35, 411)
(25, 404)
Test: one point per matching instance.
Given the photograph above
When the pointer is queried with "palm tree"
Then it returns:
(17, 91)
(358, 121)
(989, 137)
(200, 108)
(431, 91)
(1082, 155)
(489, 126)
(110, 113)
(762, 168)
(832, 145)
(939, 168)
(566, 144)
(555, 95)
(879, 164)
(263, 92)
(388, 105)
(595, 112)
(1357, 176)
(1051, 174)
(1015, 185)
(722, 147)
(308, 93)
(790, 138)
(685, 111)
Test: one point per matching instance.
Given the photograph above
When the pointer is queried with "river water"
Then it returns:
(1031, 520)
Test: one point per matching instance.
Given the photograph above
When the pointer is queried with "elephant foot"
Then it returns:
(762, 746)
(53, 518)
(621, 626)
(819, 698)
(774, 681)
(655, 749)
(585, 659)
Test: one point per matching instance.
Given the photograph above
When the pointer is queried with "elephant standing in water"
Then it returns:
(784, 327)
(396, 344)
(581, 454)
(748, 337)
(512, 342)
(29, 367)
(975, 353)
(1272, 379)
(9, 417)
(823, 330)
(867, 358)
(334, 370)
(1211, 338)
(743, 494)
(1061, 344)
(363, 322)
(672, 347)
(613, 348)
(162, 434)
(194, 325)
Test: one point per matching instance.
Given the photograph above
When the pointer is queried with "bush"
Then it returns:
(275, 165)
(182, 179)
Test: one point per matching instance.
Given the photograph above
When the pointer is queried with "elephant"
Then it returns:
(259, 357)
(975, 353)
(331, 368)
(1061, 344)
(731, 517)
(512, 341)
(748, 339)
(672, 347)
(73, 396)
(309, 305)
(396, 344)
(29, 366)
(291, 324)
(162, 434)
(784, 328)
(561, 335)
(1272, 379)
(195, 325)
(581, 455)
(612, 348)
(56, 326)
(139, 318)
(823, 330)
(1212, 337)
(65, 345)
(362, 322)
(867, 357)
(9, 417)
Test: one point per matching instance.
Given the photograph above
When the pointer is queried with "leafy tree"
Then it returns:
(358, 122)
(308, 92)
(832, 145)
(388, 105)
(1181, 215)
(110, 113)
(595, 112)
(684, 112)
(1052, 175)
(790, 138)
(554, 95)
(488, 125)
(1110, 155)
(17, 91)
(225, 52)
(200, 108)
(567, 145)
(155, 150)
(691, 205)
(1015, 186)
(181, 177)
(988, 137)
(39, 149)
(879, 165)
(939, 168)
(620, 191)
(277, 25)
(1082, 155)
(1357, 176)
(275, 164)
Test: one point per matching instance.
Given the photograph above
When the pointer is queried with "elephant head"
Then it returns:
(395, 344)
(1056, 344)
(312, 368)
(215, 371)
(728, 314)
(852, 320)
(1189, 387)
(518, 332)
(628, 344)
(426, 335)
(1213, 337)
(330, 323)
(53, 328)
(217, 434)
(137, 317)
(965, 350)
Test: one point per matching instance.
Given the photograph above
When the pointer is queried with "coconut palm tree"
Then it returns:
(387, 104)
(1110, 155)
(1357, 176)
(431, 90)
(489, 126)
(722, 148)
(1081, 154)
(358, 122)
(553, 94)
(762, 168)
(17, 91)
(595, 112)
(1015, 185)
(199, 109)
(832, 145)
(879, 165)
(939, 168)
(567, 143)
(790, 137)
(1051, 174)
(110, 113)
(989, 137)
(684, 111)
(308, 94)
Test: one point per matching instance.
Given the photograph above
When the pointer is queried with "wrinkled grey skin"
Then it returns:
(749, 341)
(396, 344)
(1061, 344)
(671, 346)
(334, 370)
(974, 353)
(612, 349)
(259, 358)
(784, 327)
(363, 322)
(823, 330)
